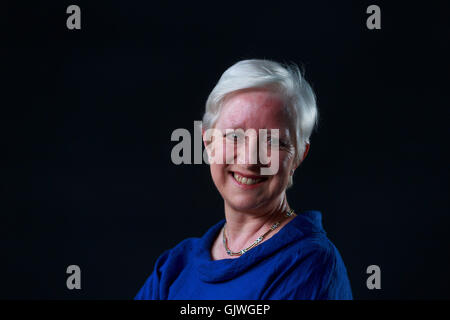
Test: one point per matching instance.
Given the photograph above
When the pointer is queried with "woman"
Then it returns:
(263, 249)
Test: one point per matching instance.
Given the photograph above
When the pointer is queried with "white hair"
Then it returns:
(287, 80)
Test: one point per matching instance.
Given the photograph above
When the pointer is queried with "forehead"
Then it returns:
(256, 109)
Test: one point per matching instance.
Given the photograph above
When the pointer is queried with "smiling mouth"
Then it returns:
(246, 180)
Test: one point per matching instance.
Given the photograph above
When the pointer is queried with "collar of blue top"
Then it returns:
(303, 225)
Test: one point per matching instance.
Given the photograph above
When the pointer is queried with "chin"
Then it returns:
(241, 207)
(241, 202)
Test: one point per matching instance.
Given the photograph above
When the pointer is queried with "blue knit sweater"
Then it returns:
(298, 262)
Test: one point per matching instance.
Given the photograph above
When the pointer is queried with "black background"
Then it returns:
(87, 115)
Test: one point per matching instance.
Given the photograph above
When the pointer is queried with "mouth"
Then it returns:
(247, 180)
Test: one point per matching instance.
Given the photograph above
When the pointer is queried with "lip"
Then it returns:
(246, 175)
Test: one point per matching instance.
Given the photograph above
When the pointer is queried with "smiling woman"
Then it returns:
(262, 249)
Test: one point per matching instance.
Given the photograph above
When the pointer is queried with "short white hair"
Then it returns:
(285, 79)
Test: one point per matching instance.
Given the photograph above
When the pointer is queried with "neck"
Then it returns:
(243, 227)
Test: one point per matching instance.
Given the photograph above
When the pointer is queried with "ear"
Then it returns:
(307, 145)
(305, 153)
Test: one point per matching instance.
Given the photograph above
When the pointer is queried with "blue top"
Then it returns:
(298, 262)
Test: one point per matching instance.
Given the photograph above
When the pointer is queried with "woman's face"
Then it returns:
(238, 178)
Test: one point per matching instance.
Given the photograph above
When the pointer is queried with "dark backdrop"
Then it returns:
(86, 119)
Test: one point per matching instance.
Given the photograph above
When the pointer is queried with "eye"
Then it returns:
(234, 136)
(273, 140)
(278, 142)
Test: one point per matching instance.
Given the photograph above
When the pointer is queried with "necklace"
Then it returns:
(257, 241)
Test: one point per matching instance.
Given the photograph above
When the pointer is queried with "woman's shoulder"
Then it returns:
(314, 267)
(315, 246)
(308, 246)
(310, 236)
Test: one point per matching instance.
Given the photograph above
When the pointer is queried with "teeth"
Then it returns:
(245, 180)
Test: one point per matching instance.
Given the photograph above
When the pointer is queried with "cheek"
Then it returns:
(218, 174)
(285, 165)
(223, 152)
(229, 152)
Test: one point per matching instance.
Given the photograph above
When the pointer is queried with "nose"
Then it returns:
(248, 152)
